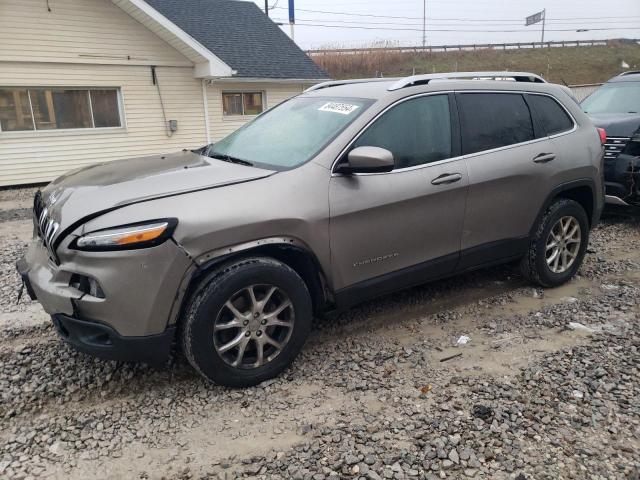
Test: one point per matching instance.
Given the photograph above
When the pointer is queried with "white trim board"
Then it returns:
(206, 63)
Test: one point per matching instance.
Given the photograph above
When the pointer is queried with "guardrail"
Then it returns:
(475, 46)
(583, 91)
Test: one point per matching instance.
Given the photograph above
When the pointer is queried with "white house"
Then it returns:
(84, 81)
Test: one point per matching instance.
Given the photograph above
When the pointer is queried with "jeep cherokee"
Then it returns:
(348, 191)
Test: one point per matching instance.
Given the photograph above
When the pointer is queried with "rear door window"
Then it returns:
(416, 131)
(493, 120)
(553, 117)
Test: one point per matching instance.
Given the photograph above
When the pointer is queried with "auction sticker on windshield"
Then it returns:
(336, 107)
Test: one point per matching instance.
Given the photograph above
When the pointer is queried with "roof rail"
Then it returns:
(629, 72)
(337, 83)
(425, 79)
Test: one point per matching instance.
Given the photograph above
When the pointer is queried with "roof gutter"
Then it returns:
(264, 80)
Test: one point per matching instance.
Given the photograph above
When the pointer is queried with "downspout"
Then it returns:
(205, 106)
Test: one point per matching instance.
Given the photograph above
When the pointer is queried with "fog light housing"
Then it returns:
(87, 285)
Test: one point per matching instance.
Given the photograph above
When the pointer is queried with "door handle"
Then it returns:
(446, 178)
(544, 157)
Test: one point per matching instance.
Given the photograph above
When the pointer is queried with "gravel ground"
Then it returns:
(369, 397)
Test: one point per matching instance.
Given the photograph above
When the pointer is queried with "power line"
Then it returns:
(615, 19)
(353, 14)
(357, 22)
(456, 30)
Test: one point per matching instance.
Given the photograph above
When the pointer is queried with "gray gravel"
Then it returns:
(368, 398)
(14, 214)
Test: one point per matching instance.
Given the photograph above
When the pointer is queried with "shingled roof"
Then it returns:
(242, 36)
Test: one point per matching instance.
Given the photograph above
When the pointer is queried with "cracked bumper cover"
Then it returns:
(622, 178)
(134, 320)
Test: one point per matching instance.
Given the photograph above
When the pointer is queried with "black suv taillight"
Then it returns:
(603, 135)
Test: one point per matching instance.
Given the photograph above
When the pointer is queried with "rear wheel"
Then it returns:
(558, 245)
(246, 322)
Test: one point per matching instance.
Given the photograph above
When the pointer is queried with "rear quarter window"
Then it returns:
(493, 120)
(552, 116)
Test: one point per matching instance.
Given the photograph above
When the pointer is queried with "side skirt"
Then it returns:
(501, 251)
(495, 253)
(394, 281)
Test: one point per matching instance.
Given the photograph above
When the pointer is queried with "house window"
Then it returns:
(242, 103)
(58, 108)
(15, 110)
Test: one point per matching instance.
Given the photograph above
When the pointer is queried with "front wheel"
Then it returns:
(246, 322)
(558, 245)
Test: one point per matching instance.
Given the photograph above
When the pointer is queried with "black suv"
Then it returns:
(615, 107)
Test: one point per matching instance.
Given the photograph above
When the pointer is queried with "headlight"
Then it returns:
(127, 237)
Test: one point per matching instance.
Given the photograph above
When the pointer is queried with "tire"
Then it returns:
(534, 265)
(225, 298)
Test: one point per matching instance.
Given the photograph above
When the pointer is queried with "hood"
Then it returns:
(107, 186)
(617, 124)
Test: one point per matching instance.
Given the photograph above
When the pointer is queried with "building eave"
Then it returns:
(206, 63)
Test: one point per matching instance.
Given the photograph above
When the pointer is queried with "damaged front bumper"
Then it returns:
(113, 305)
(622, 180)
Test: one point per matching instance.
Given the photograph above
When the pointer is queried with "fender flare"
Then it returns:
(563, 187)
(207, 261)
(217, 255)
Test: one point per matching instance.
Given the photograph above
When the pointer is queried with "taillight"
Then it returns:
(603, 135)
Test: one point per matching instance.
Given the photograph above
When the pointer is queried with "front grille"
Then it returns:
(614, 146)
(45, 226)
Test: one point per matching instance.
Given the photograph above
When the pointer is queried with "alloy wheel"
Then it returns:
(253, 326)
(563, 244)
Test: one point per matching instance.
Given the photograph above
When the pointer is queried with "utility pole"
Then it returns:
(292, 18)
(266, 7)
(424, 23)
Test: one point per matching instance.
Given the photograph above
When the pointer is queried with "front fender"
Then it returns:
(291, 251)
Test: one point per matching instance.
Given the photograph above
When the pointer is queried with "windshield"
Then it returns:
(291, 133)
(622, 97)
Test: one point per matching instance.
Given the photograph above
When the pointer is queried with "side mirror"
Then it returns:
(367, 160)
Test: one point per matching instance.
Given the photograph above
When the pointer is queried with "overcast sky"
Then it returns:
(472, 21)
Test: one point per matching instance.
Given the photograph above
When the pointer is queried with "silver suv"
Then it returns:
(349, 191)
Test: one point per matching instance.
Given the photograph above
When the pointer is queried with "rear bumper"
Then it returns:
(104, 342)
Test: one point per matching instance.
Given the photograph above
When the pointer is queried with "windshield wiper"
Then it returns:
(198, 151)
(230, 159)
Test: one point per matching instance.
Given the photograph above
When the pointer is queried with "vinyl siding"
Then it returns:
(222, 126)
(79, 31)
(93, 43)
(33, 157)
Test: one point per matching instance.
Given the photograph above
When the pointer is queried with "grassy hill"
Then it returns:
(573, 65)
